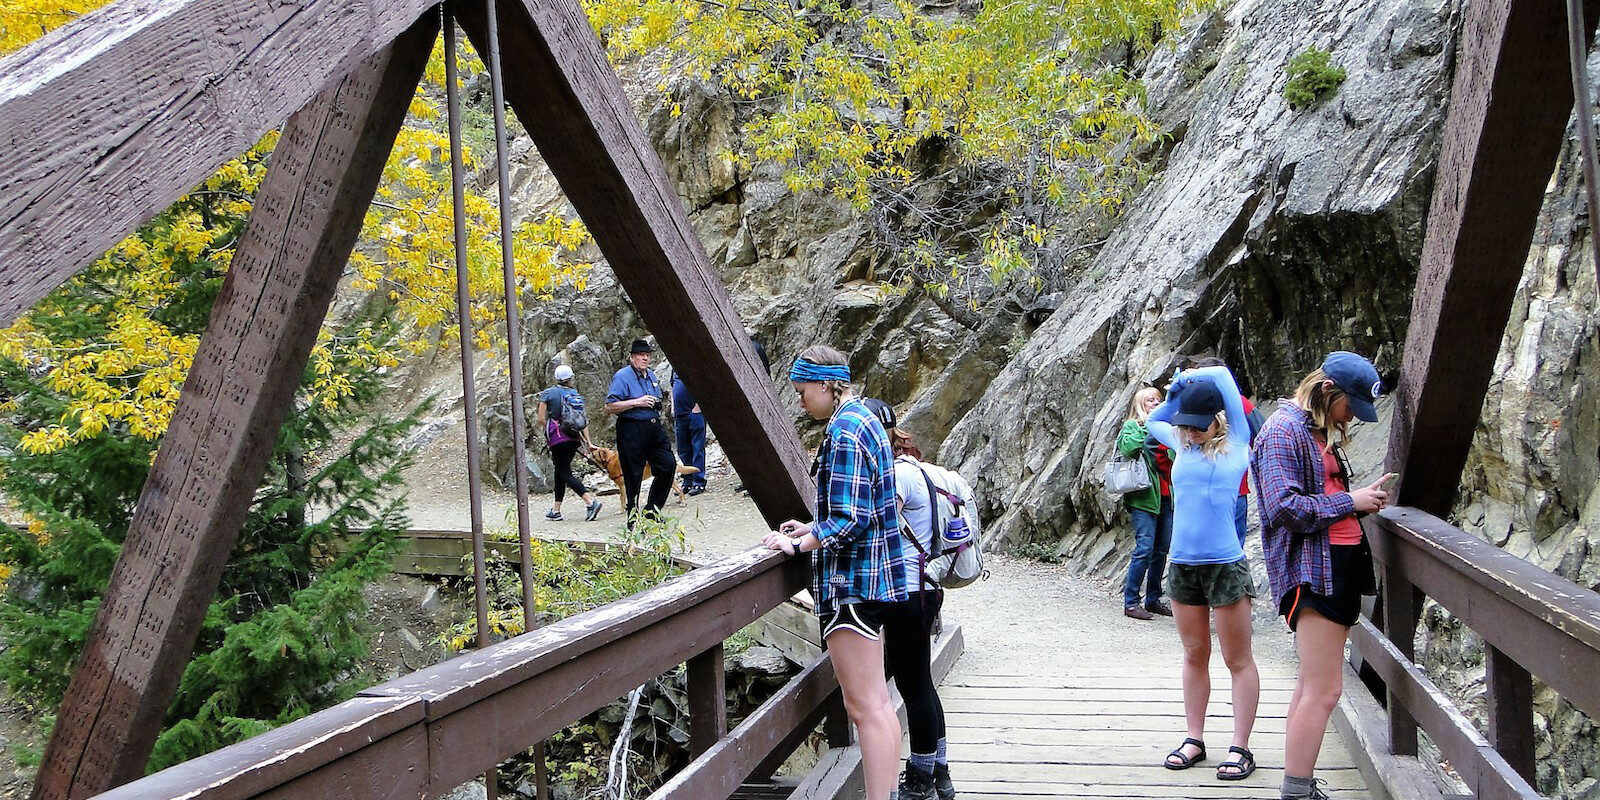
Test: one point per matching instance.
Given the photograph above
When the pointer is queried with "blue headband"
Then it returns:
(805, 371)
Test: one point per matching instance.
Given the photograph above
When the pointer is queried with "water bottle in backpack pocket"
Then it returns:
(956, 557)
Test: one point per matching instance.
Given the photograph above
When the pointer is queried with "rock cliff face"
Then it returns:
(1273, 236)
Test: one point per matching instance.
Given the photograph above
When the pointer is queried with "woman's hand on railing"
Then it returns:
(791, 537)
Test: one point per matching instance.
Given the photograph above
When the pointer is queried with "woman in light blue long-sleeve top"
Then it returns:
(1209, 577)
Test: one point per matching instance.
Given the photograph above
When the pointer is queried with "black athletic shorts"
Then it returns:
(1352, 578)
(865, 618)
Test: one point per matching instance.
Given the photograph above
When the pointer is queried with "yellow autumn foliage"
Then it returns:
(132, 376)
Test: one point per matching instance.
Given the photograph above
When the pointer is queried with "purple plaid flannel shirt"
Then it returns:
(1295, 513)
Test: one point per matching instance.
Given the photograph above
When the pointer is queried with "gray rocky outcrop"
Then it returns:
(1273, 236)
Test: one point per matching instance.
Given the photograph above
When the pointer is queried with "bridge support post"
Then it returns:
(708, 705)
(1510, 700)
(1402, 610)
(836, 726)
(306, 219)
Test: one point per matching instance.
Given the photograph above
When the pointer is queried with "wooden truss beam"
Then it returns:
(565, 91)
(306, 219)
(1509, 107)
(107, 121)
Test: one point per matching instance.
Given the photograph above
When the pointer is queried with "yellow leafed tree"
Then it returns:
(128, 372)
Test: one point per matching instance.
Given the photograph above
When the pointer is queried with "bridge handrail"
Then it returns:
(1534, 623)
(425, 733)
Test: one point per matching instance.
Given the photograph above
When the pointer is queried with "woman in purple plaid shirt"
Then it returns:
(1318, 561)
(856, 564)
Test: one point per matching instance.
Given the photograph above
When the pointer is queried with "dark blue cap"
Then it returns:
(1198, 404)
(883, 411)
(1358, 379)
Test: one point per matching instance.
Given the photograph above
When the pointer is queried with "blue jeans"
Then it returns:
(1152, 536)
(1241, 517)
(690, 431)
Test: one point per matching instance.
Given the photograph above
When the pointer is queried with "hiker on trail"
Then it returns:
(1318, 562)
(689, 429)
(856, 570)
(635, 399)
(563, 436)
(1209, 578)
(1241, 508)
(1151, 510)
(908, 626)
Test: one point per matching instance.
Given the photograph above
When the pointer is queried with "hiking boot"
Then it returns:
(1161, 607)
(591, 511)
(553, 515)
(942, 783)
(916, 784)
(1137, 612)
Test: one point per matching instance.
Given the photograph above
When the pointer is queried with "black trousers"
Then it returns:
(907, 658)
(641, 442)
(562, 455)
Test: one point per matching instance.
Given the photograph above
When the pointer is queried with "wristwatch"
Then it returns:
(796, 540)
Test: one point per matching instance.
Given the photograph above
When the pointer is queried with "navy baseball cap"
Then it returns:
(1198, 405)
(1358, 379)
(883, 411)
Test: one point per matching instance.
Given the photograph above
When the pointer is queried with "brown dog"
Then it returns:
(607, 459)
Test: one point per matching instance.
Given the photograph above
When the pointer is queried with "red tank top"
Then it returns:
(1347, 530)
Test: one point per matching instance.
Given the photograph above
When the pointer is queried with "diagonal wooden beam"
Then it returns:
(306, 219)
(1509, 108)
(107, 121)
(561, 85)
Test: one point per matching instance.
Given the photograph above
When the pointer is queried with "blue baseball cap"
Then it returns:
(1198, 405)
(1358, 379)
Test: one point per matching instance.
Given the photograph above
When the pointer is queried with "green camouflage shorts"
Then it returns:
(1214, 585)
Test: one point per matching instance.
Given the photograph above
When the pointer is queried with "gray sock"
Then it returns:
(1295, 787)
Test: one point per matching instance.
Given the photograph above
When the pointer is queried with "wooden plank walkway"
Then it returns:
(1098, 726)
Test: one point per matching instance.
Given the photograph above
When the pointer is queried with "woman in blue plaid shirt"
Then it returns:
(856, 565)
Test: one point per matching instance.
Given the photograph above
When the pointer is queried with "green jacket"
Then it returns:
(1130, 442)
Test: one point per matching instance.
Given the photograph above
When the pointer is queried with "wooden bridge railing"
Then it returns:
(1535, 625)
(423, 734)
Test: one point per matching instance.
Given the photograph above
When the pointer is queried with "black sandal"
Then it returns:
(1245, 765)
(1186, 762)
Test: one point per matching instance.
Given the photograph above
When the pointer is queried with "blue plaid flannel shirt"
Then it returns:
(1295, 513)
(857, 522)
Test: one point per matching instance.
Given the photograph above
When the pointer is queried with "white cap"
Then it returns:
(563, 373)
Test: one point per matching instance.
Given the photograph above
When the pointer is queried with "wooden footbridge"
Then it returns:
(106, 122)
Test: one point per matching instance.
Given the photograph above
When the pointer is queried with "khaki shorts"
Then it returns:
(1214, 585)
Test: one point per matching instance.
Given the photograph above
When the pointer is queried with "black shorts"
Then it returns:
(1352, 578)
(864, 618)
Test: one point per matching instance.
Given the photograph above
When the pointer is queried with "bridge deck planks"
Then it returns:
(1101, 732)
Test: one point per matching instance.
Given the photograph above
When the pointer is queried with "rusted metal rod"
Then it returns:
(469, 388)
(519, 436)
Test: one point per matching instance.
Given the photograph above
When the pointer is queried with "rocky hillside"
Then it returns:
(1270, 236)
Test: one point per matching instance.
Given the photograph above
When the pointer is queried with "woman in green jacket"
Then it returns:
(1151, 511)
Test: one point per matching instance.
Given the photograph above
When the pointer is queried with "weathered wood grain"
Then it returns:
(287, 264)
(1509, 105)
(1548, 624)
(563, 88)
(1485, 772)
(107, 121)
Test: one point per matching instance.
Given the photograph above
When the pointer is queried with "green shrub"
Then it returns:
(1312, 79)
